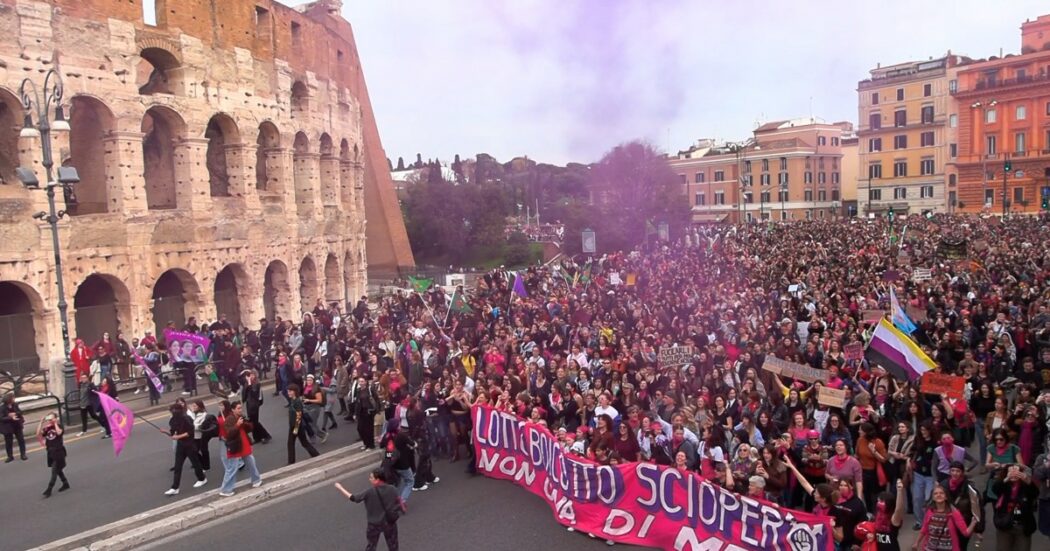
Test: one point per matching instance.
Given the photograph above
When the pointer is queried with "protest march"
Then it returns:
(728, 389)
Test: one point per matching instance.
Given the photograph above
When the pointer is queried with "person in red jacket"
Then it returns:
(81, 358)
(233, 429)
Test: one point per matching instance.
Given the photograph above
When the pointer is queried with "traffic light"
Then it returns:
(1007, 166)
(1046, 203)
(891, 213)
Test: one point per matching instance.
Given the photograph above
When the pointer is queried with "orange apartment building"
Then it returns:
(1004, 115)
(788, 170)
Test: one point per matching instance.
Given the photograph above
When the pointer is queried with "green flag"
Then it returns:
(459, 304)
(420, 284)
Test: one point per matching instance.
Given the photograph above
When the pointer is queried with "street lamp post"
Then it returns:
(67, 176)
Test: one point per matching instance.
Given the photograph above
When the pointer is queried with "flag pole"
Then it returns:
(450, 303)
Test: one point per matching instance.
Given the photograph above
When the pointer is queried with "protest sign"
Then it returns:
(793, 370)
(949, 249)
(853, 351)
(872, 316)
(831, 397)
(186, 347)
(939, 383)
(614, 278)
(891, 275)
(921, 274)
(636, 503)
(675, 355)
(915, 313)
(632, 279)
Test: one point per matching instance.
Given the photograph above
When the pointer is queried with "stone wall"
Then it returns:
(228, 159)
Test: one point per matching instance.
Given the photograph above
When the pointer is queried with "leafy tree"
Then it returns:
(518, 250)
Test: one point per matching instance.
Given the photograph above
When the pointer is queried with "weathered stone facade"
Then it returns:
(228, 157)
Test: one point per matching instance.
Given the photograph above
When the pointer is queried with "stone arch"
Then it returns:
(277, 291)
(162, 127)
(308, 285)
(11, 118)
(221, 133)
(159, 71)
(21, 328)
(175, 295)
(90, 121)
(327, 146)
(300, 99)
(100, 303)
(232, 285)
(333, 282)
(266, 157)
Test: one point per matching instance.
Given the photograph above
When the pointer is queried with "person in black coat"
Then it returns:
(181, 431)
(12, 424)
(1014, 512)
(252, 396)
(50, 435)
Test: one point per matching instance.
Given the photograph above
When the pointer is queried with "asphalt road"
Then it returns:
(107, 488)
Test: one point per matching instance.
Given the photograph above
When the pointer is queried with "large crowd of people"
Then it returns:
(577, 346)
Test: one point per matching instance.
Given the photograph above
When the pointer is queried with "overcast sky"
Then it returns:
(565, 80)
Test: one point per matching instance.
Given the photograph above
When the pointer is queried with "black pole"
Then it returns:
(1006, 159)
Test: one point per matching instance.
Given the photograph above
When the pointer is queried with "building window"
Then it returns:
(875, 170)
(953, 86)
(783, 216)
(808, 195)
(720, 175)
(822, 195)
(900, 168)
(297, 39)
(926, 192)
(700, 199)
(900, 193)
(989, 116)
(1018, 195)
(783, 163)
(834, 195)
(820, 162)
(720, 197)
(765, 196)
(683, 178)
(822, 140)
(926, 167)
(900, 118)
(1048, 108)
(747, 167)
(149, 13)
(927, 114)
(782, 178)
(952, 180)
(808, 177)
(874, 144)
(834, 141)
(874, 98)
(763, 179)
(953, 120)
(953, 150)
(765, 165)
(1019, 142)
(989, 145)
(989, 197)
(875, 194)
(875, 120)
(927, 90)
(926, 139)
(782, 195)
(699, 177)
(835, 178)
(748, 198)
(822, 178)
(900, 94)
(1020, 113)
(900, 142)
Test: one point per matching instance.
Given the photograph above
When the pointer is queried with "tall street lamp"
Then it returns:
(51, 94)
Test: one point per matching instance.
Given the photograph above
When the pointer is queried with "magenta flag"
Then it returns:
(519, 286)
(121, 420)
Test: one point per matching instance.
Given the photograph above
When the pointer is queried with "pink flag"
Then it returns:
(121, 420)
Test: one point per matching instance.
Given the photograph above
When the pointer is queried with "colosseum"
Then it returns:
(228, 159)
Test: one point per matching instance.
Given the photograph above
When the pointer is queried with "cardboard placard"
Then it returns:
(793, 370)
(939, 383)
(853, 351)
(676, 355)
(831, 397)
(631, 279)
(921, 274)
(891, 275)
(872, 316)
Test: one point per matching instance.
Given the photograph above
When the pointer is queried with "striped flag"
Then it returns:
(896, 352)
(899, 316)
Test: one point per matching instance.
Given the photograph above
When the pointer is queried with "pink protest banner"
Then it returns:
(186, 347)
(120, 418)
(637, 503)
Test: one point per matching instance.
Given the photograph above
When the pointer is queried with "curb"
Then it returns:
(149, 526)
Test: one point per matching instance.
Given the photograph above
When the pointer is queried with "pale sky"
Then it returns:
(566, 80)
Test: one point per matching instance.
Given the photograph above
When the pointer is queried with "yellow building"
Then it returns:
(907, 125)
(850, 169)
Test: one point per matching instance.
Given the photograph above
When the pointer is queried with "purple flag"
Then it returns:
(120, 418)
(519, 286)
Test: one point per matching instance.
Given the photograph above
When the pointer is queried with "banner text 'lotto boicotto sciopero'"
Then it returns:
(637, 503)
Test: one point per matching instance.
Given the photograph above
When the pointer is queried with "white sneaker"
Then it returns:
(138, 390)
(422, 488)
(610, 542)
(200, 483)
(226, 494)
(185, 393)
(257, 483)
(571, 529)
(102, 431)
(436, 480)
(172, 492)
(81, 433)
(364, 447)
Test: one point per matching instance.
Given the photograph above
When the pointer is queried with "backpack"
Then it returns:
(391, 455)
(209, 427)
